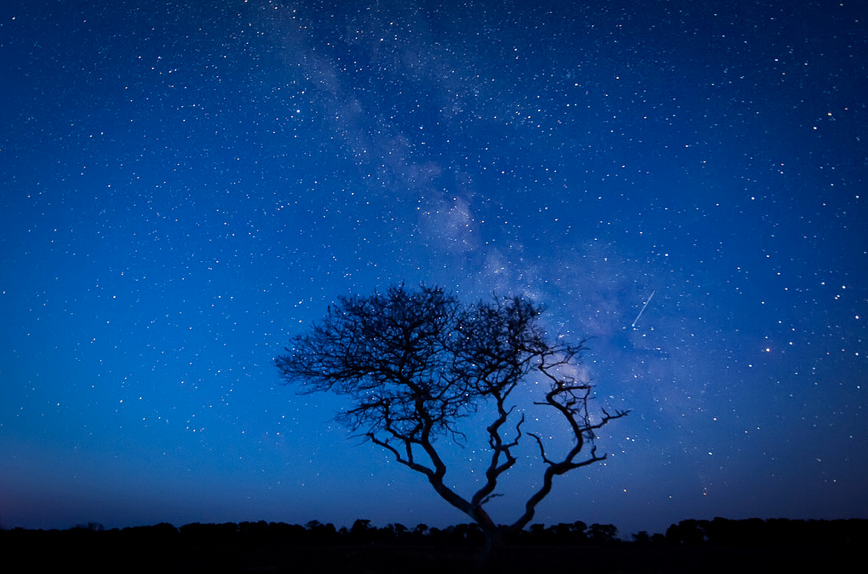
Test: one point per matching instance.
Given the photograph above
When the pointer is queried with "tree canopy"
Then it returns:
(413, 362)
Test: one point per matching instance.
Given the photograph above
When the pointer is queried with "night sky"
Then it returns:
(187, 185)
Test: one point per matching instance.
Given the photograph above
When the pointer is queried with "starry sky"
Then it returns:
(186, 185)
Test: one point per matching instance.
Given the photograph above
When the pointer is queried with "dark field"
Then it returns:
(380, 558)
(621, 558)
(719, 545)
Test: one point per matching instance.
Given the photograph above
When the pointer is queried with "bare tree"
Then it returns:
(414, 362)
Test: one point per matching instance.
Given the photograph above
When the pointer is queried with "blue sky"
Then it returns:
(187, 185)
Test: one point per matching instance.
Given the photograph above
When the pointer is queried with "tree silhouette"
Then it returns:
(415, 362)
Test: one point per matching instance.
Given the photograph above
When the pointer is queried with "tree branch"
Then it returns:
(415, 362)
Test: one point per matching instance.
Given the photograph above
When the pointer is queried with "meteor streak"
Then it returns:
(633, 326)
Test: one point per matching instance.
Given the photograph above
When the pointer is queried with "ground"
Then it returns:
(384, 559)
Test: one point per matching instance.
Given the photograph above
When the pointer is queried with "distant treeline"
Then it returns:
(717, 532)
(772, 532)
(314, 533)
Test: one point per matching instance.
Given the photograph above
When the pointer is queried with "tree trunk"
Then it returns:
(492, 549)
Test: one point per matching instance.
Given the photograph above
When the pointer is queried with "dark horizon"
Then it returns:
(719, 545)
(691, 532)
